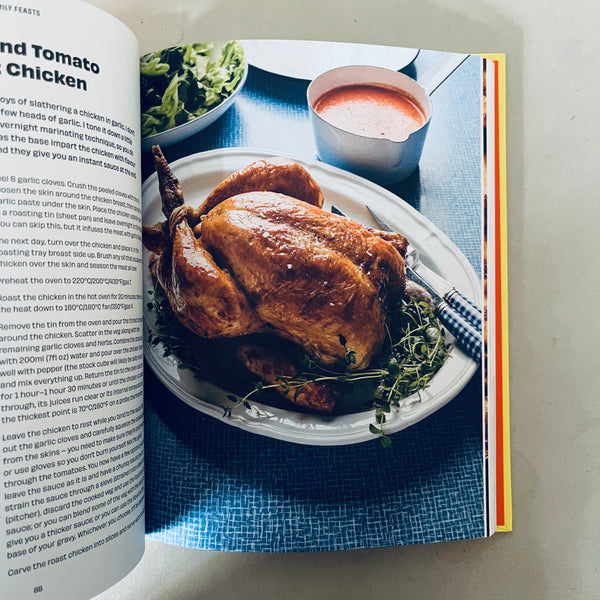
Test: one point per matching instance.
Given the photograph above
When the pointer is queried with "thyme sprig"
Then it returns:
(416, 349)
(417, 352)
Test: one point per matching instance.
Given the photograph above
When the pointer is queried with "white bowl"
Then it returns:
(186, 130)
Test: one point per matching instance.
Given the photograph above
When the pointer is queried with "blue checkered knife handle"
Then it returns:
(465, 307)
(465, 333)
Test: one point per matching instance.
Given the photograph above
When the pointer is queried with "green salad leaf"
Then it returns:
(181, 83)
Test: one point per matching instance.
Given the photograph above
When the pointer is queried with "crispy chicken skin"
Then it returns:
(204, 297)
(396, 239)
(270, 175)
(156, 237)
(273, 366)
(313, 276)
(252, 259)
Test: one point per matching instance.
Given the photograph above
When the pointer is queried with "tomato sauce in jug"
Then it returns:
(371, 111)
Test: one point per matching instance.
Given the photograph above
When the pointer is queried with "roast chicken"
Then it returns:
(260, 255)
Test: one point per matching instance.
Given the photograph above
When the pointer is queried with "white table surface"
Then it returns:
(553, 83)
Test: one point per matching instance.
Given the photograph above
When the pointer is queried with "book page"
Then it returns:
(71, 410)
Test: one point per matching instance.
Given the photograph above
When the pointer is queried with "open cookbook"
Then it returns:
(229, 321)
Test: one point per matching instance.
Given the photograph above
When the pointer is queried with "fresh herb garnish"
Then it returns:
(415, 351)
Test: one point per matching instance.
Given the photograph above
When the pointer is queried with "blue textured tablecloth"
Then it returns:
(213, 486)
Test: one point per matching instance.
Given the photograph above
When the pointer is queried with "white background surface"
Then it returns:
(554, 207)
